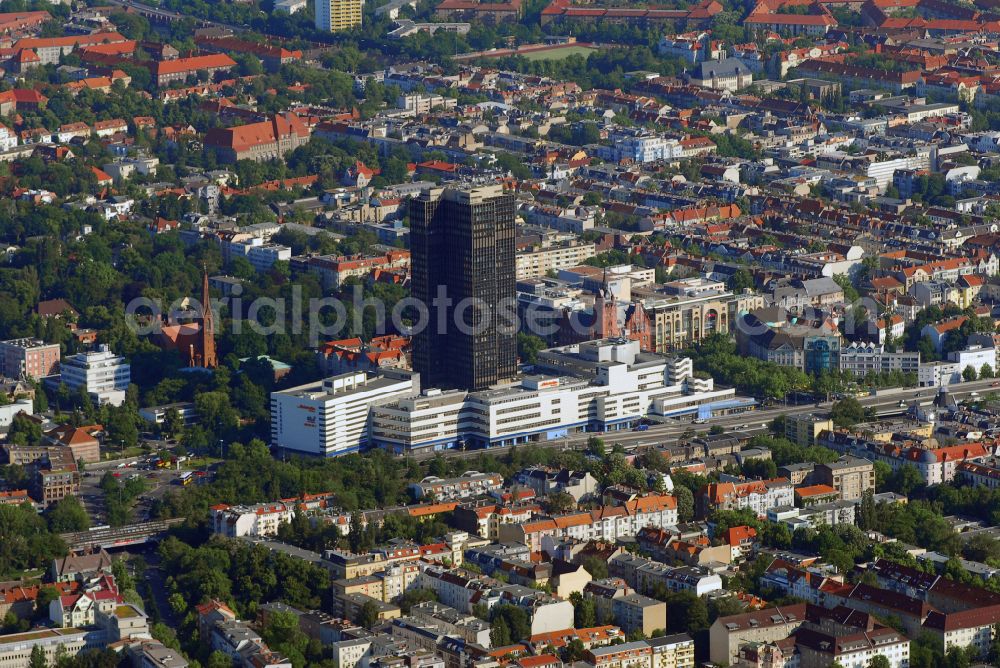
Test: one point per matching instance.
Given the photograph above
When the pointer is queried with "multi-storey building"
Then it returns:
(153, 654)
(685, 312)
(470, 483)
(756, 495)
(53, 469)
(80, 609)
(462, 241)
(331, 418)
(333, 271)
(166, 72)
(260, 254)
(935, 465)
(51, 49)
(468, 627)
(635, 612)
(956, 614)
(812, 349)
(617, 385)
(864, 358)
(609, 523)
(260, 520)
(536, 262)
(727, 634)
(101, 374)
(266, 140)
(984, 473)
(803, 428)
(578, 484)
(28, 358)
(337, 15)
(728, 74)
(649, 577)
(850, 476)
(636, 654)
(673, 651)
(16, 648)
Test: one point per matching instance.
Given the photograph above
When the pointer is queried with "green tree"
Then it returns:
(414, 596)
(24, 431)
(598, 568)
(516, 620)
(986, 371)
(584, 611)
(369, 615)
(37, 659)
(925, 346)
(595, 446)
(867, 517)
(560, 502)
(575, 650)
(45, 596)
(500, 633)
(685, 503)
(879, 661)
(528, 346)
(969, 373)
(218, 660)
(850, 292)
(177, 604)
(740, 280)
(66, 515)
(847, 412)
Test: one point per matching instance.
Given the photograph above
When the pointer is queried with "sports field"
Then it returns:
(559, 52)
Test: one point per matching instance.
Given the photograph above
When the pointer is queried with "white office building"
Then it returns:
(974, 356)
(331, 417)
(599, 385)
(104, 375)
(639, 146)
(260, 254)
(938, 374)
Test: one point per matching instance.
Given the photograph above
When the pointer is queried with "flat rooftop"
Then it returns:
(323, 390)
(38, 635)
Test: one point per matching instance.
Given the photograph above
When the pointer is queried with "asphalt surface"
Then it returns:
(885, 403)
(158, 482)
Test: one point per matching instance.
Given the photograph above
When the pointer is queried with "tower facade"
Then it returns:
(463, 271)
(207, 330)
(336, 15)
(605, 314)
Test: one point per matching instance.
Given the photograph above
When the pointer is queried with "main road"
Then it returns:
(885, 403)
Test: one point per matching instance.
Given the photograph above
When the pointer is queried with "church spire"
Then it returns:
(207, 333)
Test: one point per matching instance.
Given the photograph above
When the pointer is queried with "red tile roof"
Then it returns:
(213, 61)
(71, 41)
(245, 137)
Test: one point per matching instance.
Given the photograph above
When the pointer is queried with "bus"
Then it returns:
(185, 478)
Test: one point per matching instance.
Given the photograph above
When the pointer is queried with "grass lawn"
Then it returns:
(114, 451)
(559, 54)
(199, 462)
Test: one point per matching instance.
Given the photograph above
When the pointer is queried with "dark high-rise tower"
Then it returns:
(462, 242)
